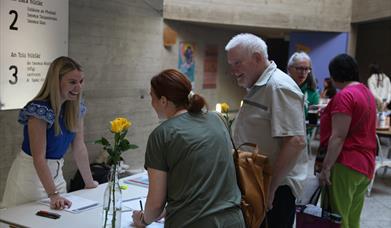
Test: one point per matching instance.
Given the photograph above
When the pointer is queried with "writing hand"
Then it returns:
(137, 217)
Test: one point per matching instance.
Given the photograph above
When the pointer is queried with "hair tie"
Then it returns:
(191, 94)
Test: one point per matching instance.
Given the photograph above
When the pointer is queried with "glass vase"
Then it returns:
(112, 201)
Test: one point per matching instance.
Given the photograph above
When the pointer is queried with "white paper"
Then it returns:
(127, 221)
(139, 180)
(79, 204)
(134, 204)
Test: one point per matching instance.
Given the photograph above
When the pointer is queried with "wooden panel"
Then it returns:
(169, 36)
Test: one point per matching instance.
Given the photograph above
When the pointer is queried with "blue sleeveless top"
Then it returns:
(56, 145)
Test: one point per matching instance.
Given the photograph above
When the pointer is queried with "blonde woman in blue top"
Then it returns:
(52, 121)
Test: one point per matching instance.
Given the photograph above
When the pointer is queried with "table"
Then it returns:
(24, 215)
(383, 132)
(386, 133)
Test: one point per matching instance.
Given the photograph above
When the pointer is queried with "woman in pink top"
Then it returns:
(348, 130)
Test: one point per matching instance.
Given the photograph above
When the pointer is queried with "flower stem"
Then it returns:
(114, 183)
(228, 123)
(108, 207)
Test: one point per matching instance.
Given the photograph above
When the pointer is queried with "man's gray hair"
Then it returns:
(250, 42)
(298, 56)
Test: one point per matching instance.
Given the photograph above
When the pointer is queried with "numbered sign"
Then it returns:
(32, 34)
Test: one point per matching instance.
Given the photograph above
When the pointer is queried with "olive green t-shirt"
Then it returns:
(196, 153)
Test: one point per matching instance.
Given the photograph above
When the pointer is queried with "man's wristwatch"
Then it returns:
(53, 193)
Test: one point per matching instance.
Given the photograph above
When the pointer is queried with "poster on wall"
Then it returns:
(32, 34)
(210, 66)
(186, 60)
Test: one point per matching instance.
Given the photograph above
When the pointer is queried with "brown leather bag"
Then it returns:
(253, 174)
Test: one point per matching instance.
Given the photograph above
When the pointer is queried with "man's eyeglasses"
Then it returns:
(305, 69)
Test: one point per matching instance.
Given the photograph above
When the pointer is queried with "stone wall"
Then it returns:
(119, 45)
(369, 10)
(313, 15)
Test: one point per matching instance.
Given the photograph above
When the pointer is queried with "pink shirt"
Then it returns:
(359, 149)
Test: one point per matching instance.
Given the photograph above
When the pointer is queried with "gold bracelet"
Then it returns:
(53, 193)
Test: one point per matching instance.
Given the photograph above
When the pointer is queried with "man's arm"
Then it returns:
(291, 148)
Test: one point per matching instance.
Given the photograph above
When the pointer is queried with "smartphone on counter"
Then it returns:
(48, 214)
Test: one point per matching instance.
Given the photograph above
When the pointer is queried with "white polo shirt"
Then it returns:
(274, 108)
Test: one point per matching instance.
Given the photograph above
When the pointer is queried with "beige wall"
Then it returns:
(313, 15)
(119, 45)
(227, 90)
(368, 10)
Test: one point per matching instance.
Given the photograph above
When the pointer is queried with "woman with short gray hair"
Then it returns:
(300, 69)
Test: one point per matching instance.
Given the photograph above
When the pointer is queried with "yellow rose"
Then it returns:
(120, 124)
(224, 107)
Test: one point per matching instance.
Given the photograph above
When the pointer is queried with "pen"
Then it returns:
(141, 205)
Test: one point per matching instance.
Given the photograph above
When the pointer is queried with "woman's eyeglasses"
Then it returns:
(305, 69)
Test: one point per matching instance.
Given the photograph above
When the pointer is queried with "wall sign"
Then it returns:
(186, 62)
(32, 34)
(210, 66)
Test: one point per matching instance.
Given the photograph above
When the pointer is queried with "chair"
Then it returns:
(381, 161)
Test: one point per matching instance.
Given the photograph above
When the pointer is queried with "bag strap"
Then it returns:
(236, 158)
(326, 200)
(236, 155)
(102, 165)
(315, 196)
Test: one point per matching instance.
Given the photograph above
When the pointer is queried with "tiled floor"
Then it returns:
(377, 207)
